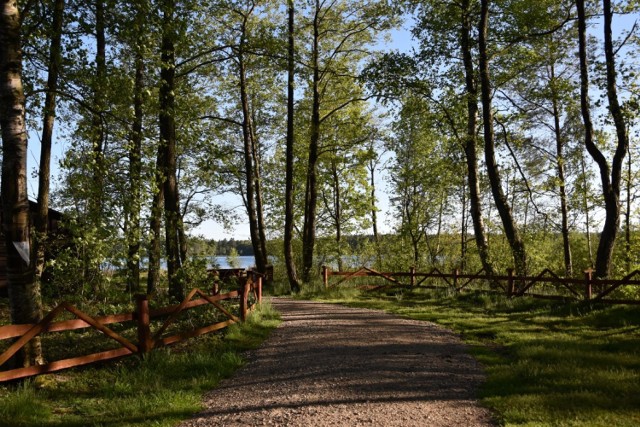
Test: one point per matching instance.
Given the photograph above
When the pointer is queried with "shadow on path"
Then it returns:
(334, 365)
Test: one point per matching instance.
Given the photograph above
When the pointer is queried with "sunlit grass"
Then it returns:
(547, 364)
(159, 390)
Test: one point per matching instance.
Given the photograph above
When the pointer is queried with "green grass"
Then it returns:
(547, 364)
(159, 390)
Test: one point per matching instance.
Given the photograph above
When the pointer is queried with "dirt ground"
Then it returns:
(329, 365)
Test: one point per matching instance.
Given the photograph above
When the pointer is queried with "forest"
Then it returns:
(505, 135)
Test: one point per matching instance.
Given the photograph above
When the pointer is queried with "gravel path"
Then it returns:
(329, 365)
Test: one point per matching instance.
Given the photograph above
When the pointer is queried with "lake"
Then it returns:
(220, 261)
(244, 261)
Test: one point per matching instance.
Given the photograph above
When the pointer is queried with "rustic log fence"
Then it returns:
(587, 288)
(248, 295)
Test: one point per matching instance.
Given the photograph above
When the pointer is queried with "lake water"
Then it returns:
(223, 262)
(213, 262)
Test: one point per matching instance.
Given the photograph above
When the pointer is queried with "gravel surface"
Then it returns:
(329, 365)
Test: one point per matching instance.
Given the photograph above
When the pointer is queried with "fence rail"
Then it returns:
(146, 341)
(588, 288)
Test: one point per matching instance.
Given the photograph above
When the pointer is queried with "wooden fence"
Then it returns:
(588, 288)
(251, 286)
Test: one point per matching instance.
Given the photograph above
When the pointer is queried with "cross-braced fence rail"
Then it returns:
(140, 339)
(546, 284)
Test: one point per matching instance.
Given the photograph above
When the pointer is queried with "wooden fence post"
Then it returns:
(412, 270)
(145, 343)
(511, 284)
(244, 299)
(456, 272)
(588, 290)
(325, 276)
(259, 289)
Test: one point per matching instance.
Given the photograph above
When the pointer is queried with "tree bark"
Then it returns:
(24, 291)
(337, 214)
(168, 143)
(157, 205)
(463, 229)
(135, 160)
(585, 207)
(97, 131)
(289, 199)
(248, 148)
(510, 227)
(470, 146)
(627, 228)
(44, 174)
(374, 211)
(610, 179)
(311, 190)
(612, 200)
(564, 209)
(257, 174)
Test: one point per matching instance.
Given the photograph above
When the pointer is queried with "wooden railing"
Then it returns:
(146, 340)
(588, 288)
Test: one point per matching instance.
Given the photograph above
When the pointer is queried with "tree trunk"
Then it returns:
(612, 200)
(434, 257)
(24, 291)
(585, 206)
(471, 155)
(338, 213)
(153, 277)
(415, 241)
(168, 143)
(463, 229)
(97, 131)
(374, 211)
(135, 162)
(311, 191)
(44, 174)
(564, 209)
(248, 145)
(510, 227)
(627, 231)
(183, 244)
(257, 174)
(289, 199)
(610, 179)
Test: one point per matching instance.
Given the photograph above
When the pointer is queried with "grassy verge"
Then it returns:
(547, 364)
(160, 390)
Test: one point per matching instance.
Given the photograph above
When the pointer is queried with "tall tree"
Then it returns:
(168, 147)
(343, 185)
(134, 205)
(24, 290)
(470, 143)
(44, 175)
(340, 34)
(311, 189)
(422, 184)
(251, 162)
(510, 226)
(560, 167)
(444, 71)
(290, 142)
(374, 159)
(97, 124)
(610, 177)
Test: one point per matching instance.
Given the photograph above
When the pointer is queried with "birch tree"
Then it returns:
(24, 291)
